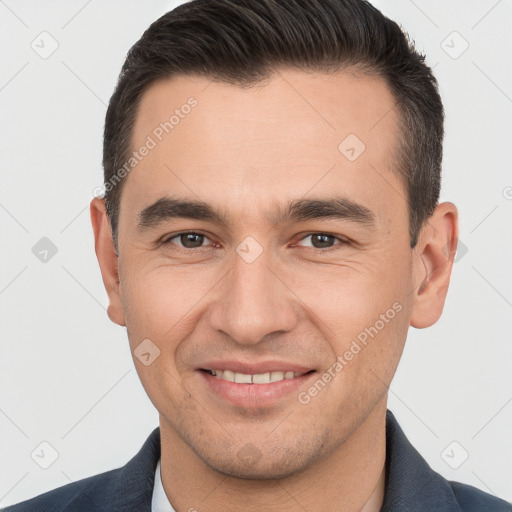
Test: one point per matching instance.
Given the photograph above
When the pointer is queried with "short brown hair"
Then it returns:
(241, 42)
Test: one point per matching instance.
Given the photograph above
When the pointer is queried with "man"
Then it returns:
(270, 230)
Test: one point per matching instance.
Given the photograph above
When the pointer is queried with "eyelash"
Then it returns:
(341, 241)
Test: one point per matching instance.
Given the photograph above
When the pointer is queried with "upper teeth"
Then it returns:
(259, 378)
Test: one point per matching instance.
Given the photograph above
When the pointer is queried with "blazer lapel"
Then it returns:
(133, 486)
(411, 483)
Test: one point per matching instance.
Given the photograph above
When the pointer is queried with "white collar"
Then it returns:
(160, 502)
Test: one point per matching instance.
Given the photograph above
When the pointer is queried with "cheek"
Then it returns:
(159, 300)
(162, 305)
(348, 298)
(363, 313)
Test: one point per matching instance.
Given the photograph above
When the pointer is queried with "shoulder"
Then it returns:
(471, 499)
(122, 489)
(88, 494)
(413, 485)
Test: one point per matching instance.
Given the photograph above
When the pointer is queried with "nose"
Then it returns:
(253, 302)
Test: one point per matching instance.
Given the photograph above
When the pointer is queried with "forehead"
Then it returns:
(294, 134)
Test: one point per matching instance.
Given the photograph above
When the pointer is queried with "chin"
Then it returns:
(270, 470)
(267, 462)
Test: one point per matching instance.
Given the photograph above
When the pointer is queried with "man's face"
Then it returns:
(260, 287)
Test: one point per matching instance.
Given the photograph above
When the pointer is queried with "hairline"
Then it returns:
(398, 156)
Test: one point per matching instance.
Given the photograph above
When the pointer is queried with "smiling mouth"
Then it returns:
(259, 378)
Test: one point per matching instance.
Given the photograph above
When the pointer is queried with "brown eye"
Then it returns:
(320, 241)
(187, 240)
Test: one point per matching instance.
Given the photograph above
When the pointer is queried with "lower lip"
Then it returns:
(254, 395)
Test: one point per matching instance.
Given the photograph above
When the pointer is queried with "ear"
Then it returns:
(433, 260)
(107, 258)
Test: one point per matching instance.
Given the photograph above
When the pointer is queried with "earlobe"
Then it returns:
(107, 259)
(433, 262)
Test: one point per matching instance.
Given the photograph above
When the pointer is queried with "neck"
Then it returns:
(351, 479)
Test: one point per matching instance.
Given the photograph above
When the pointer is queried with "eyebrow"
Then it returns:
(341, 208)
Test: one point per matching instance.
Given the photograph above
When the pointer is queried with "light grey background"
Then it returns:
(67, 377)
